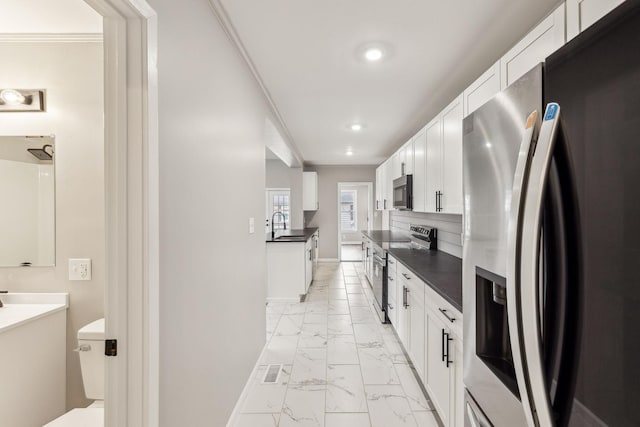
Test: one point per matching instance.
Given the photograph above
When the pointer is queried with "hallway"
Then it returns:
(341, 366)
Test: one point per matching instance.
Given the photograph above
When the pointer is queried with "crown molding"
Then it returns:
(223, 17)
(52, 37)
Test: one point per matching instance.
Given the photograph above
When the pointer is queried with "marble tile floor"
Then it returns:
(341, 366)
(351, 252)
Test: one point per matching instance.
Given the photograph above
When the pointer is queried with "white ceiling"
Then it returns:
(49, 16)
(305, 53)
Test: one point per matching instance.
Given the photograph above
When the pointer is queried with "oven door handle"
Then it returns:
(378, 260)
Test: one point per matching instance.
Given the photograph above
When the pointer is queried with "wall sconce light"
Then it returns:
(21, 100)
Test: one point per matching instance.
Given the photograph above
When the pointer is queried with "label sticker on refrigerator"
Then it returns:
(552, 111)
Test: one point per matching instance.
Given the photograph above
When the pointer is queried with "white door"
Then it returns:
(278, 200)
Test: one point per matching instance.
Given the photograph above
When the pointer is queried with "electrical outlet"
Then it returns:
(252, 225)
(79, 269)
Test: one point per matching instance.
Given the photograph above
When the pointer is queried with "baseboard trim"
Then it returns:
(279, 299)
(327, 259)
(233, 419)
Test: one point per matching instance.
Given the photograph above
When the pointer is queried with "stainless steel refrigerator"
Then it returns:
(551, 260)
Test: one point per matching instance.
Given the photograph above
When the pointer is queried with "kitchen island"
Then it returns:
(292, 257)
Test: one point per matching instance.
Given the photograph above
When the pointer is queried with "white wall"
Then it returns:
(279, 175)
(49, 16)
(326, 218)
(72, 73)
(212, 179)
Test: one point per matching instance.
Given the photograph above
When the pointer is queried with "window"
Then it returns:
(348, 211)
(278, 201)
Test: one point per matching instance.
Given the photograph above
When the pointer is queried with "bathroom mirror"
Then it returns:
(27, 194)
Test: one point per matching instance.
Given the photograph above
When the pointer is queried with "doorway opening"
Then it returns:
(354, 216)
(278, 200)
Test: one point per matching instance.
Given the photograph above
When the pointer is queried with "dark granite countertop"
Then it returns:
(295, 235)
(385, 236)
(441, 271)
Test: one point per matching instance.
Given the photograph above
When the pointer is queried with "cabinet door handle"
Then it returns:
(385, 203)
(406, 277)
(390, 278)
(390, 262)
(309, 254)
(404, 296)
(444, 312)
(442, 342)
(390, 306)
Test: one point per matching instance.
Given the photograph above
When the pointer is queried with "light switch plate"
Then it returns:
(252, 225)
(79, 268)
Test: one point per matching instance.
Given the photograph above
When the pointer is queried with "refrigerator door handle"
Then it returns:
(528, 268)
(513, 250)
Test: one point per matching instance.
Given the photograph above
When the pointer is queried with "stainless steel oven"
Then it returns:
(403, 192)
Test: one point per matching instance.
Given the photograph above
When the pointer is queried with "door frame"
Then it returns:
(369, 207)
(132, 211)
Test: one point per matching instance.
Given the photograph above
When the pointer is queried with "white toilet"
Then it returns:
(91, 350)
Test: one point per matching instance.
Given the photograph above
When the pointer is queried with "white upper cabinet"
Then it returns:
(583, 13)
(408, 157)
(434, 162)
(543, 40)
(387, 184)
(444, 160)
(396, 164)
(420, 171)
(310, 191)
(451, 197)
(482, 90)
(379, 189)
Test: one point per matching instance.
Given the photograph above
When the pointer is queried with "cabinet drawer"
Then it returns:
(407, 275)
(392, 264)
(444, 311)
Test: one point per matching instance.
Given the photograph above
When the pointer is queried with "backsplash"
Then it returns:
(449, 228)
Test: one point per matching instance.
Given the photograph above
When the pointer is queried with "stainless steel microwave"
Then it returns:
(403, 192)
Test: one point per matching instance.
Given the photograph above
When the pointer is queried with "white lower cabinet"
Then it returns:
(308, 257)
(438, 382)
(430, 330)
(402, 312)
(444, 369)
(415, 300)
(458, 392)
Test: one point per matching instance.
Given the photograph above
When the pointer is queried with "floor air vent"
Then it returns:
(272, 375)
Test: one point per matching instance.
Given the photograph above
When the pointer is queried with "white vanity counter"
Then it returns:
(21, 308)
(33, 340)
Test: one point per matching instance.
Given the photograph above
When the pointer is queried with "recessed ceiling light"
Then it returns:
(488, 145)
(373, 54)
(11, 97)
(349, 152)
(356, 127)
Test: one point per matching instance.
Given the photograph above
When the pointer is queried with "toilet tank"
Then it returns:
(91, 346)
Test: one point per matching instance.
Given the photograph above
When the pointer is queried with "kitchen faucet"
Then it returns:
(273, 231)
